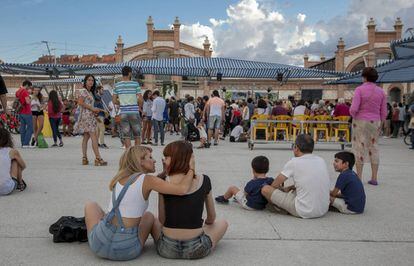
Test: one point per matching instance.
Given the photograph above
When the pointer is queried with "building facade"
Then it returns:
(375, 51)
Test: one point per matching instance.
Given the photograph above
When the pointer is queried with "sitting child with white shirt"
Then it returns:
(238, 134)
(203, 134)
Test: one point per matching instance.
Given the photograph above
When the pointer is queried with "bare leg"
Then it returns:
(16, 171)
(145, 227)
(137, 141)
(34, 119)
(93, 214)
(359, 168)
(216, 135)
(374, 170)
(127, 142)
(85, 140)
(210, 134)
(216, 230)
(231, 191)
(95, 148)
(156, 230)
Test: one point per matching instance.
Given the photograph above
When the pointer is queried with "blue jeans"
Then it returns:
(195, 248)
(158, 128)
(26, 129)
(54, 124)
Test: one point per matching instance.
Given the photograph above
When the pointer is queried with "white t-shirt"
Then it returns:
(311, 180)
(299, 110)
(157, 108)
(216, 105)
(189, 110)
(236, 132)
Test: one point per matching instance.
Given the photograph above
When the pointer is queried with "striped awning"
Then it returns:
(195, 67)
(400, 69)
(68, 81)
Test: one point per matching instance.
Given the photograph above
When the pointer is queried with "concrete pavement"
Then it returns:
(59, 185)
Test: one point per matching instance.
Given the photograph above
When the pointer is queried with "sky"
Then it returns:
(264, 30)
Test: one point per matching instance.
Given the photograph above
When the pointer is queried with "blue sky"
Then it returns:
(91, 26)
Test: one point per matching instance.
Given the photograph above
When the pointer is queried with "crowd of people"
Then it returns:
(181, 231)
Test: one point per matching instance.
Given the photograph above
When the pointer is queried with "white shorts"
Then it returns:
(341, 206)
(241, 199)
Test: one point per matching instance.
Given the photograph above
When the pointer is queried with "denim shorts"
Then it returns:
(131, 125)
(214, 122)
(195, 248)
(111, 242)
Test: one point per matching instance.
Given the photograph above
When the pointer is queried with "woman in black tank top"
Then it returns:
(181, 232)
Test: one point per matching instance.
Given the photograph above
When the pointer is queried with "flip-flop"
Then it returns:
(373, 182)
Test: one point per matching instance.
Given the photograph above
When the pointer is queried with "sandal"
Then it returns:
(100, 162)
(85, 161)
(21, 186)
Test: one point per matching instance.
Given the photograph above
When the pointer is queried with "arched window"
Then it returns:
(358, 67)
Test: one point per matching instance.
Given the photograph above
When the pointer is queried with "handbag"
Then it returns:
(69, 229)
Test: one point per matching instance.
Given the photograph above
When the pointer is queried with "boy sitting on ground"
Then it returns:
(203, 135)
(348, 196)
(251, 198)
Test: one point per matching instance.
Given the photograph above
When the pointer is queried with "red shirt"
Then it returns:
(21, 94)
(50, 111)
(341, 110)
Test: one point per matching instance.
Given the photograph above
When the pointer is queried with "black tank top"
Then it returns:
(185, 212)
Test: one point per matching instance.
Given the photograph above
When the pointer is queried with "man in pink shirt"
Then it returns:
(368, 109)
(25, 114)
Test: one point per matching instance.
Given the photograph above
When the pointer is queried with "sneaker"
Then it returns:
(222, 138)
(54, 145)
(61, 144)
(208, 145)
(162, 144)
(33, 142)
(215, 143)
(221, 199)
(104, 146)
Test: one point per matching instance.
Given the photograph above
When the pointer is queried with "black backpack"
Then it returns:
(69, 229)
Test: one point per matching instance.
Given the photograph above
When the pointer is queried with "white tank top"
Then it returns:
(133, 205)
(5, 164)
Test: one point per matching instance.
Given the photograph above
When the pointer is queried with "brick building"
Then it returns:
(375, 51)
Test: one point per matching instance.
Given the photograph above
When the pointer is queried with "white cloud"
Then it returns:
(257, 30)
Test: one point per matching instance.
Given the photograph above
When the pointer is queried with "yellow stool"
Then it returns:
(321, 127)
(281, 126)
(342, 128)
(260, 126)
(296, 126)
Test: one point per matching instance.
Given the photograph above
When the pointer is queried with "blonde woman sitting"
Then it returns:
(121, 233)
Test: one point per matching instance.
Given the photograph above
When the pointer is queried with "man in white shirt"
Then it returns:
(308, 197)
(158, 106)
(237, 134)
(189, 109)
(215, 111)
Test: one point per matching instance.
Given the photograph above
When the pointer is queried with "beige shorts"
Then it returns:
(285, 201)
(241, 199)
(341, 206)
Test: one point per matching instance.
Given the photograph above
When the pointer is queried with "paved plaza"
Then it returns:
(59, 185)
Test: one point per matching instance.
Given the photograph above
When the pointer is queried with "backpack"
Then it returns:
(69, 229)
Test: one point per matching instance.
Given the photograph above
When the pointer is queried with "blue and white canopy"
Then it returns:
(400, 69)
(195, 67)
(68, 81)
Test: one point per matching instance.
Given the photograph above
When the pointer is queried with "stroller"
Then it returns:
(192, 131)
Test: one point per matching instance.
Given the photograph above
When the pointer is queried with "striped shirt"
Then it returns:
(127, 93)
